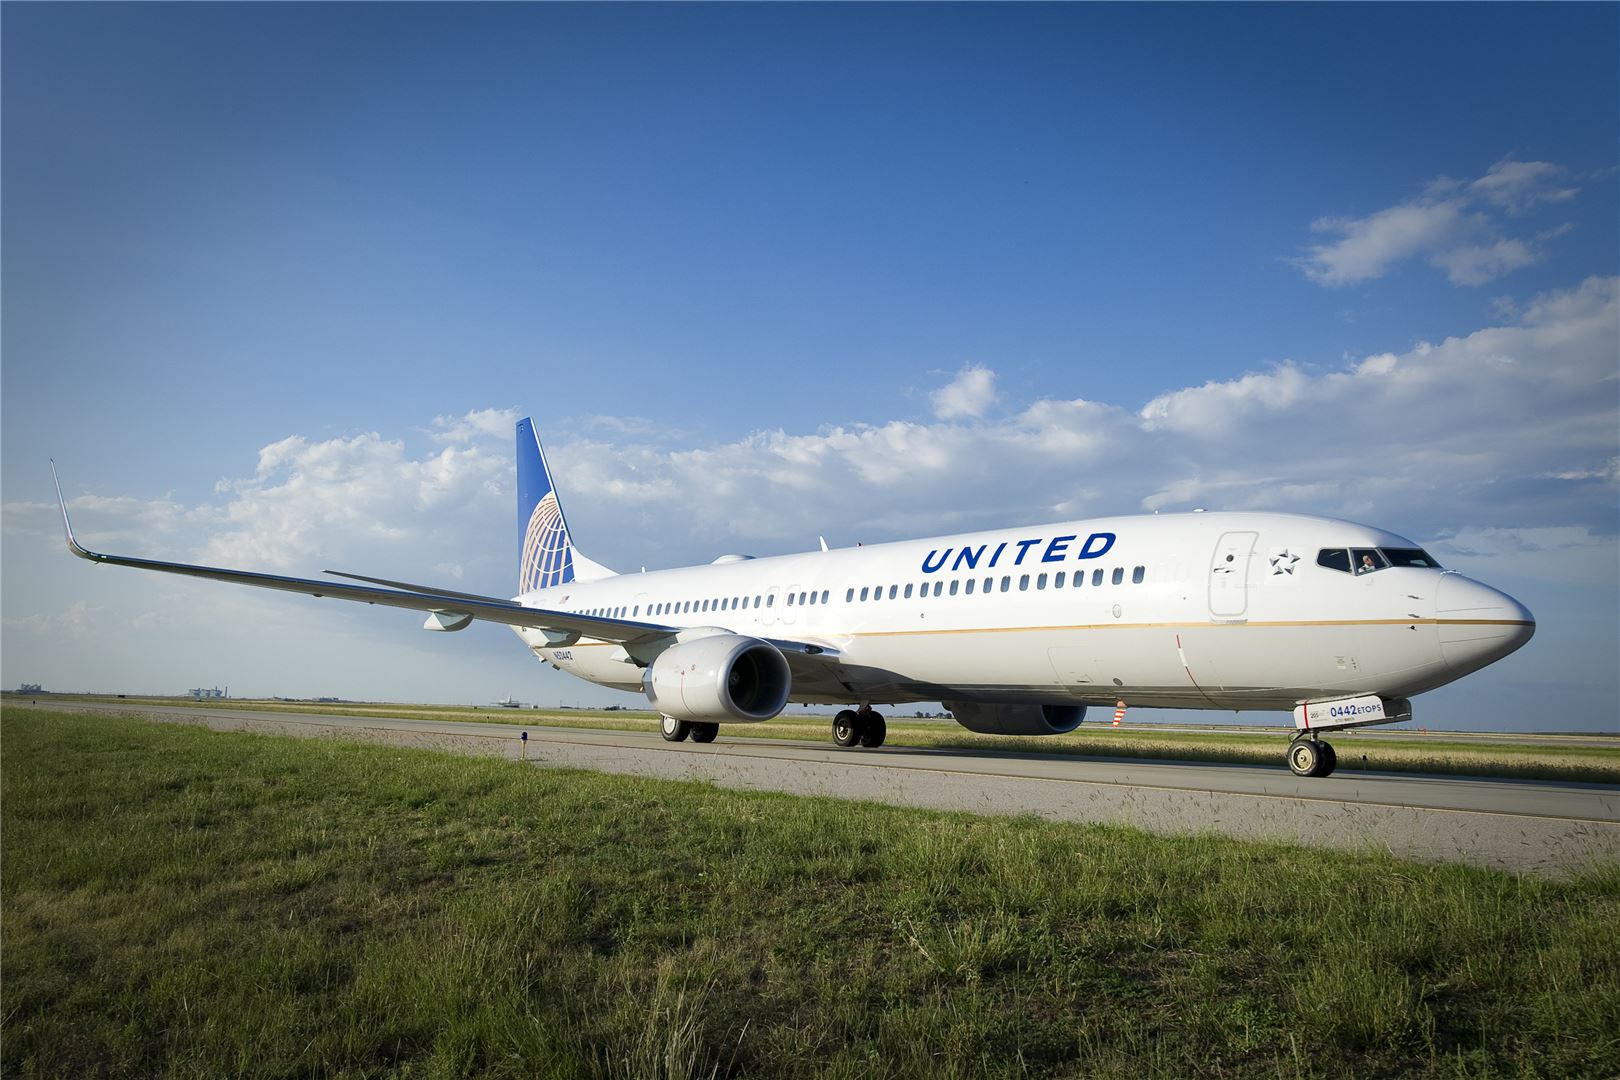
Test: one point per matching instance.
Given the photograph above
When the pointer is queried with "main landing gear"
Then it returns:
(859, 727)
(674, 730)
(1309, 756)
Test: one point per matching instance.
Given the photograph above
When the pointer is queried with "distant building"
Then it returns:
(202, 692)
(31, 688)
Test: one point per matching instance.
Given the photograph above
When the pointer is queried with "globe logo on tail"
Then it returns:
(547, 557)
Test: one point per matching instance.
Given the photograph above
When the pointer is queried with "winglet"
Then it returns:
(67, 526)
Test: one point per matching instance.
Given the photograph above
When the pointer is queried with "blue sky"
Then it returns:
(276, 277)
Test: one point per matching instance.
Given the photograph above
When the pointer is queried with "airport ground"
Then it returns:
(1542, 826)
(1589, 758)
(186, 902)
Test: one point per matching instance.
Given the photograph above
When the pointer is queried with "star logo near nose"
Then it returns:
(1283, 562)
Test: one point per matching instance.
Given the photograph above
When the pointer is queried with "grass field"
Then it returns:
(188, 903)
(1533, 758)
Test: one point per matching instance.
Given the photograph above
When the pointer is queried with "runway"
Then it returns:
(1522, 825)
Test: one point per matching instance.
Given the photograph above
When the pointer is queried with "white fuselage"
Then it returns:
(1199, 611)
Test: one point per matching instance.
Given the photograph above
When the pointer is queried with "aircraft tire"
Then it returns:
(873, 731)
(705, 732)
(1330, 760)
(674, 730)
(1304, 757)
(846, 728)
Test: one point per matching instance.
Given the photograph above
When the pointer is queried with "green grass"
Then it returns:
(183, 902)
(1535, 758)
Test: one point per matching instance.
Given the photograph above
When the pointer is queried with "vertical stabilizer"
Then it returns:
(546, 555)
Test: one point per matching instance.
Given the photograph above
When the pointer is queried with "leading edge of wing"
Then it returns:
(488, 609)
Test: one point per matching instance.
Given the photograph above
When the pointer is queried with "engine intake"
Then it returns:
(726, 677)
(1016, 719)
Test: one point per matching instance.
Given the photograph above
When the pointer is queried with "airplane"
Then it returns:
(1016, 631)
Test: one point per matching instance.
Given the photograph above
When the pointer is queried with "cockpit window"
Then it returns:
(1410, 557)
(1367, 560)
(1360, 561)
(1334, 559)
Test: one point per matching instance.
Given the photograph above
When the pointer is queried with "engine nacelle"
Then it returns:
(722, 678)
(1016, 719)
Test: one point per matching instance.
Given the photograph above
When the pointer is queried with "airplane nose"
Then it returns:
(1478, 624)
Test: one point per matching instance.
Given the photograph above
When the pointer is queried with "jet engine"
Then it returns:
(724, 677)
(1016, 719)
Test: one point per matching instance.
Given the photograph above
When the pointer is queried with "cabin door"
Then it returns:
(1229, 575)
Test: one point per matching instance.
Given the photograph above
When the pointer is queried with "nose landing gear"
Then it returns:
(1309, 756)
(859, 727)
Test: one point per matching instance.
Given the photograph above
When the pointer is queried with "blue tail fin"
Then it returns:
(545, 552)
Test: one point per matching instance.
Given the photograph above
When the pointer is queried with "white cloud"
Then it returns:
(1558, 553)
(1451, 225)
(354, 498)
(1475, 264)
(1369, 246)
(968, 395)
(475, 424)
(1216, 407)
(1510, 426)
(1475, 430)
(1518, 185)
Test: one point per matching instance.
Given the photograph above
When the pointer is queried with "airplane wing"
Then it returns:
(453, 609)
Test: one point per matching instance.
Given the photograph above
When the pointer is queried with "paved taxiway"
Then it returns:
(1524, 825)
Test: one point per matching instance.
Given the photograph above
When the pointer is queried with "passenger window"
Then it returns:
(849, 596)
(908, 590)
(1334, 559)
(864, 591)
(953, 587)
(1119, 575)
(1096, 577)
(1138, 574)
(790, 600)
(894, 590)
(1023, 583)
(970, 582)
(1367, 560)
(989, 584)
(939, 587)
(824, 594)
(770, 601)
(812, 597)
(1057, 582)
(1006, 582)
